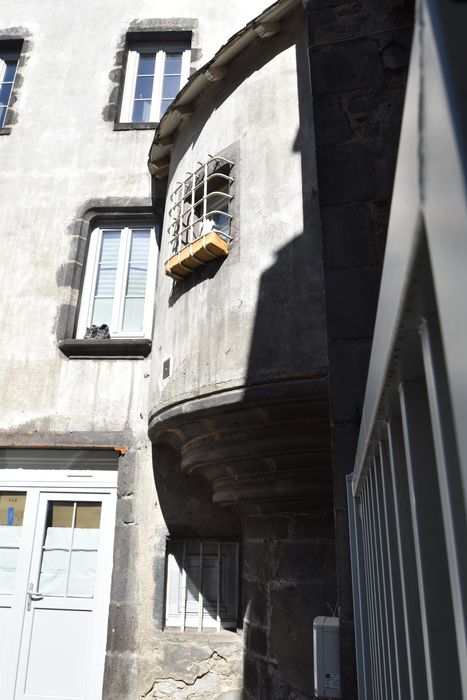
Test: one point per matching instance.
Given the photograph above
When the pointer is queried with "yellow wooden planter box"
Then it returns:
(201, 251)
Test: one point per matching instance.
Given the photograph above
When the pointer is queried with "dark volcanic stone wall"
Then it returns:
(359, 53)
(288, 579)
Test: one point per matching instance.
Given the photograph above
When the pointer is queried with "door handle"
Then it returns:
(33, 595)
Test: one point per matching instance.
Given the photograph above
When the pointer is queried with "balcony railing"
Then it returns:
(408, 491)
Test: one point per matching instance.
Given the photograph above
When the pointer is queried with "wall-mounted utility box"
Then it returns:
(327, 657)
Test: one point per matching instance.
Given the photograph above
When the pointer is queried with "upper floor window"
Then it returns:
(8, 64)
(118, 288)
(154, 75)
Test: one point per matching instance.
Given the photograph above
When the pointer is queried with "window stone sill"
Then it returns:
(5, 131)
(133, 126)
(110, 349)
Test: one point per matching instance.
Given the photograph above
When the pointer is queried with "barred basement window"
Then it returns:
(200, 216)
(202, 585)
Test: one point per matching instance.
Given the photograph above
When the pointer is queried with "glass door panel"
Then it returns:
(12, 505)
(69, 551)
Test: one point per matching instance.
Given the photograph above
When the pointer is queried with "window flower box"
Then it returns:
(207, 247)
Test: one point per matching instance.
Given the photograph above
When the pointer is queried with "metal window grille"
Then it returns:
(201, 203)
(202, 585)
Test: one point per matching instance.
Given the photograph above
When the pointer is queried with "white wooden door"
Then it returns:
(54, 594)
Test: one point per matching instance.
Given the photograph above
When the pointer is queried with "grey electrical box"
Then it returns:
(327, 657)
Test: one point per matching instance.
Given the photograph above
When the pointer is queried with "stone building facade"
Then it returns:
(223, 421)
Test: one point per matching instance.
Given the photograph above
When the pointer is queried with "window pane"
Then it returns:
(133, 315)
(12, 506)
(136, 281)
(5, 90)
(138, 264)
(173, 63)
(102, 312)
(143, 89)
(170, 86)
(164, 106)
(69, 556)
(146, 64)
(2, 115)
(10, 71)
(142, 111)
(106, 281)
(60, 514)
(107, 272)
(140, 244)
(88, 515)
(82, 574)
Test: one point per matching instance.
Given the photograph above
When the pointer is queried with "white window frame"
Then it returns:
(160, 50)
(90, 280)
(7, 56)
(181, 615)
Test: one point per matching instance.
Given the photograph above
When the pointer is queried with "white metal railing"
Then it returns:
(408, 492)
(196, 208)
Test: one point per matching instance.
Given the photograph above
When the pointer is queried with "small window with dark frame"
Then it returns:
(8, 64)
(155, 72)
(202, 585)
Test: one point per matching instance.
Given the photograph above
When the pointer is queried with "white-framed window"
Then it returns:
(154, 75)
(201, 203)
(202, 585)
(8, 64)
(119, 280)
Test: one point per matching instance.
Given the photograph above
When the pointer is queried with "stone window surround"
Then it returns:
(90, 348)
(147, 31)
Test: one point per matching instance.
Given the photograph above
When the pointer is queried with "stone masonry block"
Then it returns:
(291, 641)
(312, 526)
(259, 559)
(255, 640)
(351, 297)
(332, 124)
(354, 172)
(347, 236)
(355, 65)
(305, 560)
(348, 374)
(255, 603)
(270, 526)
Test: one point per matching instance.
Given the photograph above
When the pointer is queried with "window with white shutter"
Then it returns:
(118, 287)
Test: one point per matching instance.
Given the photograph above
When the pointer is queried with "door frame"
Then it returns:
(66, 482)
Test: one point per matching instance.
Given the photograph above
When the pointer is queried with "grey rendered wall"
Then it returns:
(62, 158)
(207, 325)
(245, 404)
